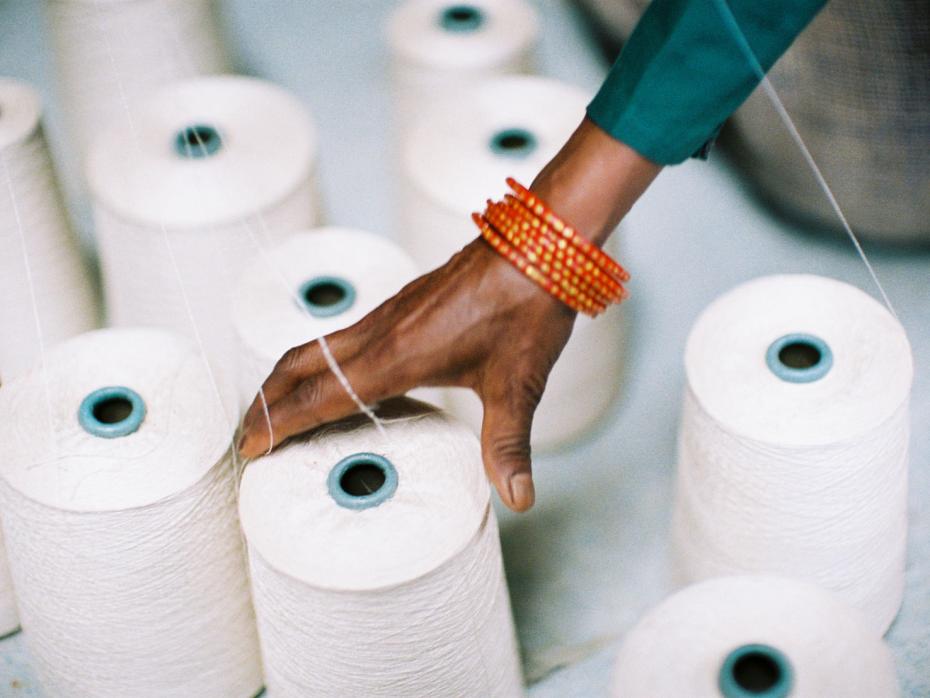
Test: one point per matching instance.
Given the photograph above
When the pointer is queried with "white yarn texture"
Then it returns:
(805, 480)
(678, 648)
(267, 313)
(429, 62)
(32, 214)
(449, 171)
(406, 598)
(109, 53)
(125, 552)
(167, 222)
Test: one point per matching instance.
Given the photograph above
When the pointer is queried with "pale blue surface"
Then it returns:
(591, 557)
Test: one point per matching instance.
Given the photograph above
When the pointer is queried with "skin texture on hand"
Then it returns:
(475, 322)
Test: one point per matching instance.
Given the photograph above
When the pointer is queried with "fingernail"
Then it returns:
(522, 492)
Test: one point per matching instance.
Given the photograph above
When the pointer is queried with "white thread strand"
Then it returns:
(403, 598)
(679, 647)
(58, 301)
(185, 298)
(788, 122)
(801, 479)
(180, 49)
(330, 359)
(31, 286)
(127, 558)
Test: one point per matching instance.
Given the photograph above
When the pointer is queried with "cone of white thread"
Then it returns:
(120, 516)
(437, 47)
(457, 155)
(793, 447)
(753, 637)
(110, 53)
(312, 284)
(209, 172)
(376, 563)
(32, 215)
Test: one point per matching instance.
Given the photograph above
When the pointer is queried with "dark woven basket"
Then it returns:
(857, 84)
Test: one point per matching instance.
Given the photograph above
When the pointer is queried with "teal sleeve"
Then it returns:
(688, 65)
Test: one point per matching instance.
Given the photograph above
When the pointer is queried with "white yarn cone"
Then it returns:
(376, 563)
(111, 53)
(749, 637)
(48, 278)
(210, 171)
(120, 516)
(794, 441)
(458, 154)
(439, 46)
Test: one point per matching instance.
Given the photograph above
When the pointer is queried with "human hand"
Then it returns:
(475, 322)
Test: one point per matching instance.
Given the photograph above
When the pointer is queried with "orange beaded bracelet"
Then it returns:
(526, 232)
(552, 261)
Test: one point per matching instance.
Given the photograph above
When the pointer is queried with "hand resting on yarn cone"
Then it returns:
(470, 323)
(474, 322)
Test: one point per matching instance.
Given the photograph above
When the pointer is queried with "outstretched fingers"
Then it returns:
(302, 392)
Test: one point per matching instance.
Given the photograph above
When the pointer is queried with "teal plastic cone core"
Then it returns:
(362, 481)
(756, 671)
(111, 412)
(513, 142)
(326, 296)
(461, 18)
(197, 141)
(799, 358)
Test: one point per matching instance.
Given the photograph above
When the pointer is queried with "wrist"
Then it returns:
(593, 181)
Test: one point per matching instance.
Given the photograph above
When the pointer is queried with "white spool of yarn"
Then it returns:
(120, 517)
(32, 215)
(439, 46)
(376, 564)
(110, 53)
(754, 637)
(455, 157)
(210, 170)
(793, 447)
(314, 283)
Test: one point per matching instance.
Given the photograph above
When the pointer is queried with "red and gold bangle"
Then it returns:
(570, 296)
(545, 253)
(552, 253)
(580, 263)
(541, 210)
(516, 208)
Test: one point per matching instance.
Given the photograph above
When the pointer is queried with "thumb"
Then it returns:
(505, 449)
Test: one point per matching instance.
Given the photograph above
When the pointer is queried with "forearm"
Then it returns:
(594, 180)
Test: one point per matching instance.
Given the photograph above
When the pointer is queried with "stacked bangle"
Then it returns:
(525, 231)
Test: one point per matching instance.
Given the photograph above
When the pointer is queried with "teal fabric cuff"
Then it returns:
(685, 70)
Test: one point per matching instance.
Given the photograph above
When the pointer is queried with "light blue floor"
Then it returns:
(591, 557)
